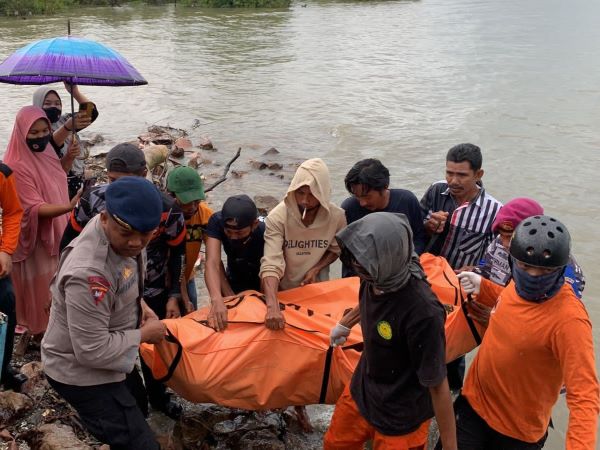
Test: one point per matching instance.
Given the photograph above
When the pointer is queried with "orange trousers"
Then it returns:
(349, 431)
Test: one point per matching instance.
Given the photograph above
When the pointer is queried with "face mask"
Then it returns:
(239, 244)
(539, 288)
(38, 144)
(53, 114)
(348, 259)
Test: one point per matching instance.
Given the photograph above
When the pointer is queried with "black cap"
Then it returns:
(241, 210)
(134, 203)
(125, 158)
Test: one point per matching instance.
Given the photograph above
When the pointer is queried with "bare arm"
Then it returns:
(274, 319)
(62, 133)
(312, 276)
(77, 94)
(212, 271)
(444, 414)
(351, 318)
(187, 303)
(217, 317)
(52, 210)
(226, 289)
(73, 152)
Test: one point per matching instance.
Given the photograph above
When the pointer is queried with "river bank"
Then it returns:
(518, 79)
(26, 8)
(37, 418)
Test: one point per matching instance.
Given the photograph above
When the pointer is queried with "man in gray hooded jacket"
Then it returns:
(400, 380)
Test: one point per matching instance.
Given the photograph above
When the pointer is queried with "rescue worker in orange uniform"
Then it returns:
(539, 337)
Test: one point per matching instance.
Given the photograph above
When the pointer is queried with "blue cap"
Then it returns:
(134, 203)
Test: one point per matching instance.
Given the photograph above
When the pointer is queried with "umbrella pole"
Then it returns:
(72, 112)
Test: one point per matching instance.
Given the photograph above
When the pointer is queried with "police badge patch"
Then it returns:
(99, 286)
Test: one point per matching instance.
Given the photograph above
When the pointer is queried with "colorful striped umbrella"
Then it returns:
(69, 58)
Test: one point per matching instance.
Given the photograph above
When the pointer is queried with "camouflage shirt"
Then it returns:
(165, 252)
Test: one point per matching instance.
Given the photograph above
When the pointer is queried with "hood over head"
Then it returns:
(382, 243)
(40, 95)
(314, 174)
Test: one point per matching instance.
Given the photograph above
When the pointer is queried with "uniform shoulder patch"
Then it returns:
(5, 170)
(98, 286)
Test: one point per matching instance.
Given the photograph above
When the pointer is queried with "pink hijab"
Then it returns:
(40, 179)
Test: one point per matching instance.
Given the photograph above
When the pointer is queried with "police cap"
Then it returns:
(134, 203)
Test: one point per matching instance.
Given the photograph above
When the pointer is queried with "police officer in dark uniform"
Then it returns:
(98, 318)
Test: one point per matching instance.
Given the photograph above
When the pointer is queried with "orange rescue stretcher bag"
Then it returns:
(249, 366)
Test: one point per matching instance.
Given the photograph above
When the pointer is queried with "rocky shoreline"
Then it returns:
(38, 419)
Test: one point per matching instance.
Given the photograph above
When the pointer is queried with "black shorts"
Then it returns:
(110, 413)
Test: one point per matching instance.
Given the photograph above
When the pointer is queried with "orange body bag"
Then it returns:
(249, 366)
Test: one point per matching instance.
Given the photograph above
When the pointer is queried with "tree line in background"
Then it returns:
(21, 8)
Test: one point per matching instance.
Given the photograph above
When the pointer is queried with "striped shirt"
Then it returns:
(468, 232)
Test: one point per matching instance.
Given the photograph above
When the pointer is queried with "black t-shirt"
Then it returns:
(401, 201)
(404, 354)
(243, 265)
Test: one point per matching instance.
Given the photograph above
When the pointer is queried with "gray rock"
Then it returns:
(271, 151)
(59, 437)
(13, 405)
(36, 385)
(183, 143)
(194, 160)
(254, 431)
(96, 139)
(265, 203)
(177, 152)
(206, 144)
(197, 422)
(262, 165)
(258, 165)
(163, 427)
(260, 440)
(32, 369)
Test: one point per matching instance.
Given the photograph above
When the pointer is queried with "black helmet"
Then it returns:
(541, 241)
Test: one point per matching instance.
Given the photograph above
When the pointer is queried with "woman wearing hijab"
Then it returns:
(400, 381)
(66, 148)
(42, 188)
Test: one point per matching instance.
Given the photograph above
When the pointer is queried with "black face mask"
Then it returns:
(38, 145)
(538, 288)
(53, 114)
(239, 244)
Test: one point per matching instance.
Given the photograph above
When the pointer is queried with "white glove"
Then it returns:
(470, 282)
(338, 335)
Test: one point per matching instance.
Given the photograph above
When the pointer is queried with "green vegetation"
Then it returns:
(27, 7)
(36, 7)
(236, 3)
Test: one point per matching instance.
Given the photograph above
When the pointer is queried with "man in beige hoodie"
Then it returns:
(300, 237)
(300, 242)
